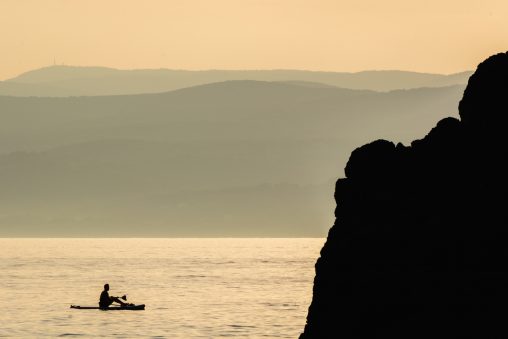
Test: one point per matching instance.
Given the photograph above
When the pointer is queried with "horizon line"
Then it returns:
(165, 237)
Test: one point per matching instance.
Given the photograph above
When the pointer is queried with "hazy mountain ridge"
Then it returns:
(181, 163)
(93, 81)
(240, 110)
(9, 88)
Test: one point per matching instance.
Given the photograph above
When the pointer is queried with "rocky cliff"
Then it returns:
(419, 248)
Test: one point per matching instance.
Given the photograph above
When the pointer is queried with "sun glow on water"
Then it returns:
(193, 288)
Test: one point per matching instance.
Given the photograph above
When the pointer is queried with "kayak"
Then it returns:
(111, 308)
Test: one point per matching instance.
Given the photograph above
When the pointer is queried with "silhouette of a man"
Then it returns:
(105, 300)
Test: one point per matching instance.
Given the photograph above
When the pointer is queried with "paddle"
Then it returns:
(124, 297)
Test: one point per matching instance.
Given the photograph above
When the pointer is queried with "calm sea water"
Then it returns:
(193, 288)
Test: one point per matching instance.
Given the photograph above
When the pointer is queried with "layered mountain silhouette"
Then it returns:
(62, 81)
(236, 158)
(419, 248)
(247, 110)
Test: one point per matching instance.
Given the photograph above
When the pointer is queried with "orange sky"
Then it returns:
(430, 36)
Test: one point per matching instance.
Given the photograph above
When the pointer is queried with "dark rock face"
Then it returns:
(419, 248)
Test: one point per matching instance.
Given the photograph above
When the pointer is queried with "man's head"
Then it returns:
(106, 287)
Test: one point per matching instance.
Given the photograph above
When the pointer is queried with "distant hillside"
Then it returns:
(233, 110)
(59, 81)
(11, 88)
(236, 158)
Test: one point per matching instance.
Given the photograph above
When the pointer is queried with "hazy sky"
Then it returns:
(431, 36)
